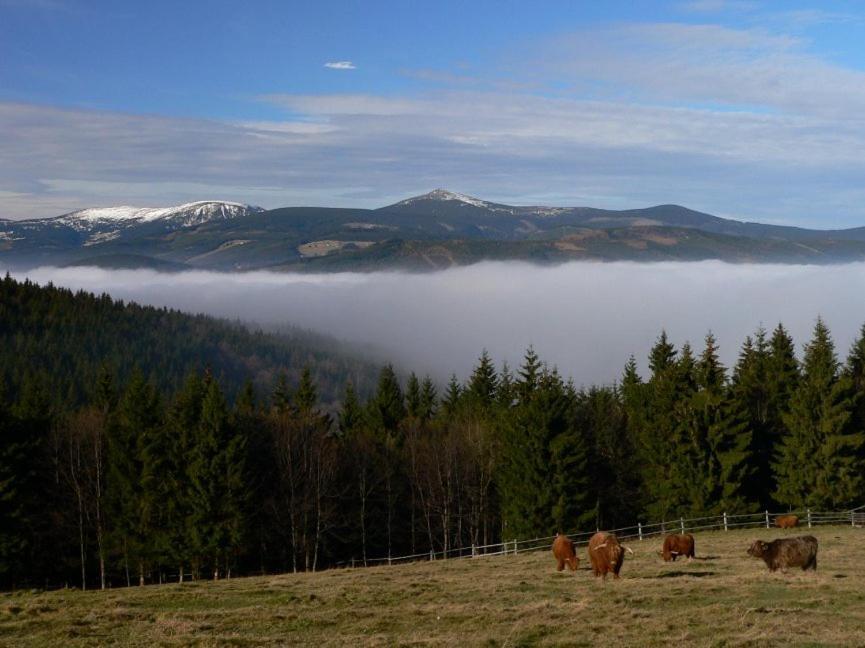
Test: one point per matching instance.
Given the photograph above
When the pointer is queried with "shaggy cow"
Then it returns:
(676, 545)
(563, 550)
(787, 521)
(800, 551)
(606, 554)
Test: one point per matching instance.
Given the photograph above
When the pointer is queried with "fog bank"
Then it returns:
(585, 318)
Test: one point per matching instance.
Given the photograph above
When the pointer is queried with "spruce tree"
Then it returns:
(819, 461)
(428, 399)
(451, 400)
(413, 396)
(483, 384)
(138, 416)
(351, 413)
(543, 478)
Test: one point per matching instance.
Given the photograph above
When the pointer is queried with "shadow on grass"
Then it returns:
(679, 574)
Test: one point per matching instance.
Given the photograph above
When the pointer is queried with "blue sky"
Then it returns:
(742, 108)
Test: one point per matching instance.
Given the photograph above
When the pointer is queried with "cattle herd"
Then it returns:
(606, 553)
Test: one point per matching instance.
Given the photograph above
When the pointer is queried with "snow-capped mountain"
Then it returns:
(186, 215)
(444, 194)
(442, 201)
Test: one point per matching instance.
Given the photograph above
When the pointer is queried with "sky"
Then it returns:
(744, 109)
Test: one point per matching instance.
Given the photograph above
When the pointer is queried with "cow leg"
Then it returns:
(560, 565)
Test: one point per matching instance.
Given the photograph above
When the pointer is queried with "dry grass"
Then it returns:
(723, 598)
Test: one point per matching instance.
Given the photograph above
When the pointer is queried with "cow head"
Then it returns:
(758, 548)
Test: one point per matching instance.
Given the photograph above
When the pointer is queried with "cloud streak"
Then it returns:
(585, 318)
(340, 65)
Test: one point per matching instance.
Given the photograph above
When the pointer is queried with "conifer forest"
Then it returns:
(153, 465)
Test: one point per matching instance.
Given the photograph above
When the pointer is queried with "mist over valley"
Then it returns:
(584, 318)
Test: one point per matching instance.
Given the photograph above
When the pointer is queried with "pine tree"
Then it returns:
(413, 396)
(138, 416)
(451, 401)
(483, 384)
(543, 478)
(506, 391)
(662, 356)
(428, 399)
(306, 396)
(529, 375)
(351, 414)
(819, 461)
(217, 490)
(182, 422)
(387, 407)
(855, 372)
(19, 445)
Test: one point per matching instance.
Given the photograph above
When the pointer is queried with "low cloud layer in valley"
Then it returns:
(586, 318)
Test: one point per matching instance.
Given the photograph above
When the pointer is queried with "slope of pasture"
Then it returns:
(723, 598)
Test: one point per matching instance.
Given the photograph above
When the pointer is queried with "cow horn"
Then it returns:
(629, 549)
(675, 553)
(599, 547)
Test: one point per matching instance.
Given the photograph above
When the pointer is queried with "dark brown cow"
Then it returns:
(606, 554)
(678, 544)
(563, 550)
(800, 551)
(787, 521)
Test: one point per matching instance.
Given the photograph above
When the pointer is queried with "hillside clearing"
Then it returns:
(723, 598)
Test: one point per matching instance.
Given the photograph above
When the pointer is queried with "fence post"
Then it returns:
(474, 551)
(767, 519)
(725, 520)
(682, 524)
(515, 546)
(809, 518)
(432, 555)
(852, 519)
(640, 530)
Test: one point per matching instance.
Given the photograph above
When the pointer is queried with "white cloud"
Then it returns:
(715, 6)
(340, 65)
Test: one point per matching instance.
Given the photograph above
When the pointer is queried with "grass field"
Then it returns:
(723, 598)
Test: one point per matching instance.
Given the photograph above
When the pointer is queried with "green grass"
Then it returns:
(723, 598)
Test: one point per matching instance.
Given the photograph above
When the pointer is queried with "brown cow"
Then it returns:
(677, 544)
(787, 521)
(563, 550)
(606, 554)
(800, 551)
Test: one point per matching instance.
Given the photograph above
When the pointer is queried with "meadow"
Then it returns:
(722, 598)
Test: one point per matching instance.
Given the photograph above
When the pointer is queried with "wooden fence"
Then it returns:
(638, 532)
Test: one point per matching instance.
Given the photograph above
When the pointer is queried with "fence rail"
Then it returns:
(723, 522)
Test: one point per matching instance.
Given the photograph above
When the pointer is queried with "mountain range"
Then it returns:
(436, 230)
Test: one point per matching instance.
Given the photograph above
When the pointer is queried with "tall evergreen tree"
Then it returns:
(484, 383)
(819, 462)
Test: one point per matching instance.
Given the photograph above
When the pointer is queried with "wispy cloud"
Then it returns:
(340, 65)
(716, 6)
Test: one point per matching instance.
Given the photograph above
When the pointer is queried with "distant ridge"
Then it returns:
(431, 231)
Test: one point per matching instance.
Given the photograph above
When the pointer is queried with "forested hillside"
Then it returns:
(57, 341)
(136, 482)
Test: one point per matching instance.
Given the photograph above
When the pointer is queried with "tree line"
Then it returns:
(134, 484)
(67, 337)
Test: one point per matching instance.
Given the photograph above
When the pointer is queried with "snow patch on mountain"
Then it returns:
(444, 194)
(186, 215)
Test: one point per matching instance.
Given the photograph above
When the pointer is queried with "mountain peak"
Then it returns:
(441, 195)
